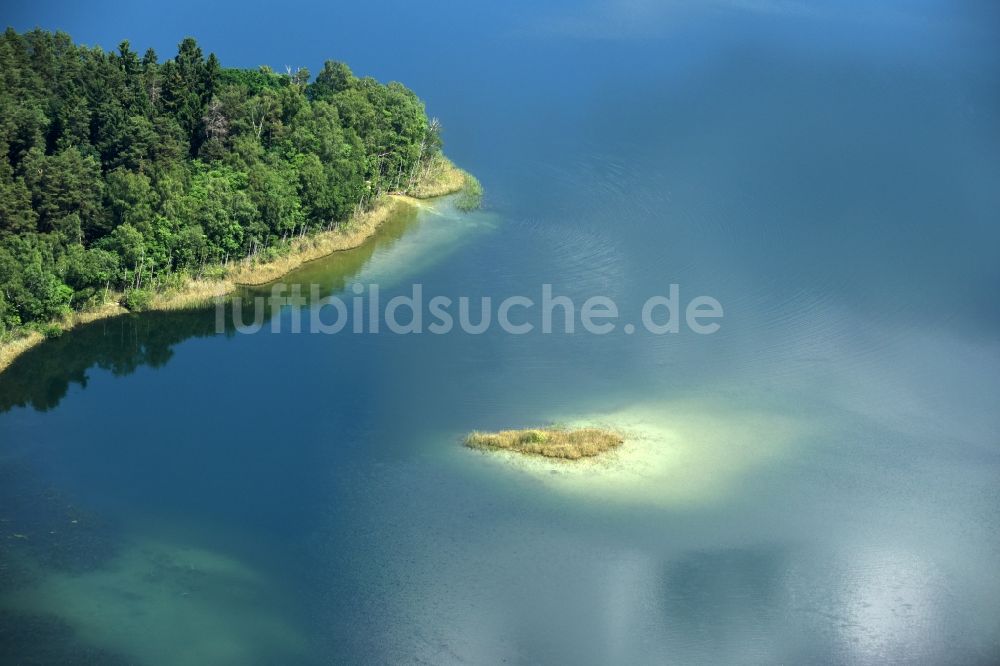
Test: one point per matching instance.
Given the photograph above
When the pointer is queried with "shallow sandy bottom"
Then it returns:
(160, 603)
(674, 453)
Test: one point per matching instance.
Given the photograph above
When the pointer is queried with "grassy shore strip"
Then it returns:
(25, 339)
(548, 442)
(309, 248)
(445, 178)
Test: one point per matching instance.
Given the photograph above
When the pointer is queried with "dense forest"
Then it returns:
(120, 169)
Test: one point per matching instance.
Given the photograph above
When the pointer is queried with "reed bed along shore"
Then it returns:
(438, 178)
(188, 292)
(28, 338)
(13, 348)
(548, 442)
(308, 248)
(196, 292)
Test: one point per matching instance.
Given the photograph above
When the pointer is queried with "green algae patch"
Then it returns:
(548, 442)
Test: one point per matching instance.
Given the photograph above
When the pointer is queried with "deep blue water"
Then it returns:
(815, 483)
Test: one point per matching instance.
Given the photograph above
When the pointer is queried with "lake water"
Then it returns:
(817, 482)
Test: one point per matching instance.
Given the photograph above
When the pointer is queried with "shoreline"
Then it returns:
(196, 292)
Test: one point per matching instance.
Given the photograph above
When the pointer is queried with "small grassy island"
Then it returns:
(548, 442)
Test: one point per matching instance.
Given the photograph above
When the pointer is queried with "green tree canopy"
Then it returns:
(115, 166)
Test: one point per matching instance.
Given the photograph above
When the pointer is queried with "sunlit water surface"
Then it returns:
(817, 482)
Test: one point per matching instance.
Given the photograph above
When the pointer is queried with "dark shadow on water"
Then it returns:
(42, 375)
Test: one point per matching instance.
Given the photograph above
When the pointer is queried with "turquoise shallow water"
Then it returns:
(815, 483)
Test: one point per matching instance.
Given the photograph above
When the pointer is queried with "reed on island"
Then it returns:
(569, 444)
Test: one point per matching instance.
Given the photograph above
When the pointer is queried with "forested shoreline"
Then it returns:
(124, 173)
